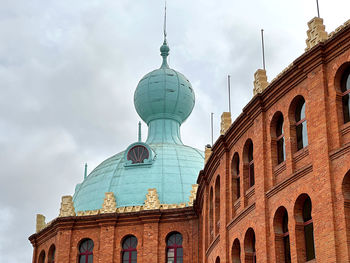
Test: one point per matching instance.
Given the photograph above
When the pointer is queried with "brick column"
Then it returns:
(107, 231)
(64, 239)
(150, 239)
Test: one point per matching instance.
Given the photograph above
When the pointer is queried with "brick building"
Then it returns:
(275, 186)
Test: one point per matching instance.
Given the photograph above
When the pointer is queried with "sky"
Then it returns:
(68, 71)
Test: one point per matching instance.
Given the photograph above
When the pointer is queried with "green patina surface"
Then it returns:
(164, 99)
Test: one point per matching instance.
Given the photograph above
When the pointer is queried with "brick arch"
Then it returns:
(42, 256)
(51, 254)
(278, 145)
(304, 228)
(281, 233)
(217, 205)
(236, 251)
(341, 70)
(249, 246)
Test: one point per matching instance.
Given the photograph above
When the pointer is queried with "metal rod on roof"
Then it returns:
(165, 22)
(212, 130)
(318, 9)
(85, 171)
(229, 92)
(263, 47)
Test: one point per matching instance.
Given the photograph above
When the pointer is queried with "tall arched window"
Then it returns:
(129, 252)
(345, 89)
(217, 205)
(346, 195)
(217, 260)
(281, 149)
(251, 165)
(282, 241)
(236, 180)
(249, 246)
(304, 229)
(85, 251)
(174, 248)
(308, 230)
(300, 124)
(42, 257)
(51, 255)
(236, 252)
(211, 214)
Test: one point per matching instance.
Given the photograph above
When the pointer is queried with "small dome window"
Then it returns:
(138, 154)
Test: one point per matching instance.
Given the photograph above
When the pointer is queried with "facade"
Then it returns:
(275, 186)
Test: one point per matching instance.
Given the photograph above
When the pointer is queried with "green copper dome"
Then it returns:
(164, 93)
(164, 99)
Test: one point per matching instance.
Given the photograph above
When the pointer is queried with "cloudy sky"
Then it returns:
(68, 71)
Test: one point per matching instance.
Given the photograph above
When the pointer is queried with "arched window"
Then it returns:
(300, 124)
(211, 214)
(42, 257)
(281, 149)
(217, 260)
(308, 230)
(236, 252)
(236, 180)
(174, 248)
(51, 254)
(346, 195)
(129, 252)
(282, 241)
(85, 251)
(217, 205)
(249, 246)
(251, 165)
(345, 89)
(304, 229)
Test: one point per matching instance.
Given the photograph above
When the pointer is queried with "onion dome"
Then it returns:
(164, 99)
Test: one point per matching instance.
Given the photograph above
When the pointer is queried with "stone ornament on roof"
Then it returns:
(316, 32)
(109, 204)
(260, 81)
(193, 194)
(67, 206)
(152, 200)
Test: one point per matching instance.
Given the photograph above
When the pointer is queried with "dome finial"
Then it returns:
(164, 49)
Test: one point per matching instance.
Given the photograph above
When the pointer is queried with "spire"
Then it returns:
(140, 131)
(164, 49)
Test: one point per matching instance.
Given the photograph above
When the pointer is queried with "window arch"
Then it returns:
(217, 205)
(129, 252)
(346, 195)
(300, 124)
(217, 260)
(282, 241)
(174, 248)
(236, 180)
(42, 257)
(86, 251)
(304, 228)
(51, 255)
(248, 158)
(278, 145)
(236, 251)
(345, 89)
(249, 246)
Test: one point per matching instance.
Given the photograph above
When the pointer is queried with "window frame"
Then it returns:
(174, 246)
(88, 252)
(130, 249)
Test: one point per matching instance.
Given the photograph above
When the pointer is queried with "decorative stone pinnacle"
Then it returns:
(207, 153)
(109, 204)
(260, 81)
(316, 32)
(193, 194)
(225, 122)
(40, 222)
(67, 206)
(152, 200)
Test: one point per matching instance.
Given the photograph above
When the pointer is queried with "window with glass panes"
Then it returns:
(129, 252)
(174, 248)
(345, 88)
(300, 124)
(85, 251)
(280, 140)
(308, 230)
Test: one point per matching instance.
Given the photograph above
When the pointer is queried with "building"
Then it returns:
(275, 186)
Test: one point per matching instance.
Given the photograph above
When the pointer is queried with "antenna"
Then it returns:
(85, 171)
(212, 130)
(263, 47)
(318, 9)
(140, 139)
(165, 21)
(229, 92)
